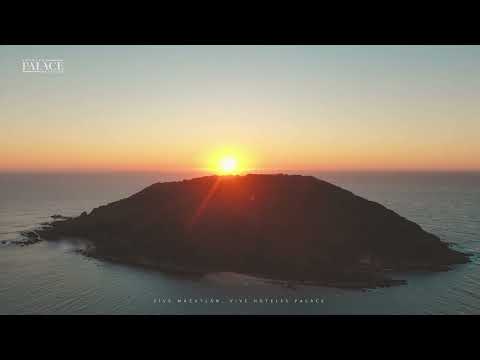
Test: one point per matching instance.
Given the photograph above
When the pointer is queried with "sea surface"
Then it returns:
(53, 278)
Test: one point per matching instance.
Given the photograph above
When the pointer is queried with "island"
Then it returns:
(292, 228)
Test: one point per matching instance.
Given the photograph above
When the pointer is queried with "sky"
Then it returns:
(173, 108)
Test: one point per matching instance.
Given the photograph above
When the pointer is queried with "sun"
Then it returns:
(227, 160)
(228, 165)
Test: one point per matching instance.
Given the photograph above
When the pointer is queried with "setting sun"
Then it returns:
(227, 160)
(227, 165)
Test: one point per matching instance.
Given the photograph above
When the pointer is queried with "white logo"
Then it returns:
(42, 66)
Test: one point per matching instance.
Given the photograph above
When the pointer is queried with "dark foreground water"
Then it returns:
(52, 278)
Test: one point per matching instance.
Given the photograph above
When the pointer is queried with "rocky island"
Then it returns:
(282, 227)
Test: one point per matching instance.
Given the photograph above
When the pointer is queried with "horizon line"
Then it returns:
(251, 171)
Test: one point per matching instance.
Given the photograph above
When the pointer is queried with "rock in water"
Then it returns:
(60, 217)
(288, 227)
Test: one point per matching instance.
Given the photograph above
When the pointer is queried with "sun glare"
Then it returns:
(227, 165)
(228, 161)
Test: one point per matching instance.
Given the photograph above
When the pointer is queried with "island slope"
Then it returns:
(287, 227)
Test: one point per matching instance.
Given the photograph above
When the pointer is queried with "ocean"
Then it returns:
(53, 278)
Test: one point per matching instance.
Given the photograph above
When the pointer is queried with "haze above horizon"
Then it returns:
(178, 108)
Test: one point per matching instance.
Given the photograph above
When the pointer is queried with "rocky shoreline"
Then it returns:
(196, 273)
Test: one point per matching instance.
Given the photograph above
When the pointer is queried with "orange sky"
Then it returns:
(286, 107)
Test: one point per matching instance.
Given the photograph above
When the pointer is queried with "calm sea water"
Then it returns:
(52, 278)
